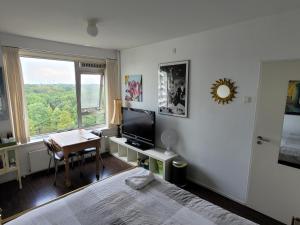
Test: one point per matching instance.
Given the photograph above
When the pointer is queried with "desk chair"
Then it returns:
(57, 156)
(91, 151)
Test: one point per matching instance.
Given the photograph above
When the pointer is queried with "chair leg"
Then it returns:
(101, 160)
(50, 160)
(55, 165)
(72, 163)
(81, 164)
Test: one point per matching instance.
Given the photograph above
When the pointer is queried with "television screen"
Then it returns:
(139, 124)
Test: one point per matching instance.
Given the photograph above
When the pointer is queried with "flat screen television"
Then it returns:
(138, 127)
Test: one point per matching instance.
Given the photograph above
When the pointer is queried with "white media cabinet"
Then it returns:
(130, 155)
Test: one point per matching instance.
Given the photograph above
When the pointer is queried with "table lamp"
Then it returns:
(117, 115)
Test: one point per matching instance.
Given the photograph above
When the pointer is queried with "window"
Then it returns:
(90, 92)
(92, 104)
(57, 100)
(92, 95)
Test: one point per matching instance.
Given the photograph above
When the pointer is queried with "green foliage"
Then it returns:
(53, 108)
(90, 120)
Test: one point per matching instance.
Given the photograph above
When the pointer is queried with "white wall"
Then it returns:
(216, 139)
(50, 47)
(5, 127)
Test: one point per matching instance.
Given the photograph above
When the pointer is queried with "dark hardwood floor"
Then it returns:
(38, 189)
(231, 205)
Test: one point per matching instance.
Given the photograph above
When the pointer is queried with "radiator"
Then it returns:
(38, 160)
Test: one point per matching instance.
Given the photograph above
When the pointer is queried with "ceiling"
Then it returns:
(128, 23)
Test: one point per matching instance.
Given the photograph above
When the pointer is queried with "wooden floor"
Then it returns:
(230, 205)
(38, 189)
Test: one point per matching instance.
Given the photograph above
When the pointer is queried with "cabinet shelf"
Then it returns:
(9, 161)
(159, 163)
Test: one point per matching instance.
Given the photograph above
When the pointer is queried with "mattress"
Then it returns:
(290, 150)
(111, 201)
(289, 154)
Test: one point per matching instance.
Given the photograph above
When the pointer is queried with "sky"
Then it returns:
(46, 71)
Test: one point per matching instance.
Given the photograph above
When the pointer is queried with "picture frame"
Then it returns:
(292, 106)
(3, 98)
(173, 88)
(133, 87)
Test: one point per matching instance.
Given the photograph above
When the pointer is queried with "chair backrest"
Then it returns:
(49, 145)
(98, 133)
(296, 221)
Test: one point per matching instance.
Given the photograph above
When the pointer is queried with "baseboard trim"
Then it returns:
(217, 191)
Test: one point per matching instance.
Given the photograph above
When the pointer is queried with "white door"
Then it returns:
(274, 189)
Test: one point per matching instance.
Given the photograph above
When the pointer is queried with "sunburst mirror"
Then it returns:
(223, 91)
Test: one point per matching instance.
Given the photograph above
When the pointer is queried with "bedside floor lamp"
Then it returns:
(117, 115)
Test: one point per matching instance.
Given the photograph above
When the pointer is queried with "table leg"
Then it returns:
(19, 178)
(67, 177)
(97, 161)
(18, 170)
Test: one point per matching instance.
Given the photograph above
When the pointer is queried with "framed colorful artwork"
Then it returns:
(133, 88)
(293, 98)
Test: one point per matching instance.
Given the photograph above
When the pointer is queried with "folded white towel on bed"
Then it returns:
(140, 179)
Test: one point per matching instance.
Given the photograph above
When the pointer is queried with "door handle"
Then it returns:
(261, 139)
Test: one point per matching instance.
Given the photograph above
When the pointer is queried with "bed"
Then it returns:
(111, 201)
(290, 150)
(290, 154)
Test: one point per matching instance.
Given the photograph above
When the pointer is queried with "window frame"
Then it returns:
(78, 72)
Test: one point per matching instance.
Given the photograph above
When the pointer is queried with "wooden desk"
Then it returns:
(74, 141)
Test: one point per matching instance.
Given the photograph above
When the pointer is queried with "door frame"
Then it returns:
(253, 143)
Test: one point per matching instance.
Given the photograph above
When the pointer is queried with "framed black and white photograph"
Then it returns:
(173, 88)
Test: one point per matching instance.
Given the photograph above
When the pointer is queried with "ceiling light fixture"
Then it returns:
(92, 28)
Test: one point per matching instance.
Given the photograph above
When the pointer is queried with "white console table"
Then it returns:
(9, 162)
(130, 155)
